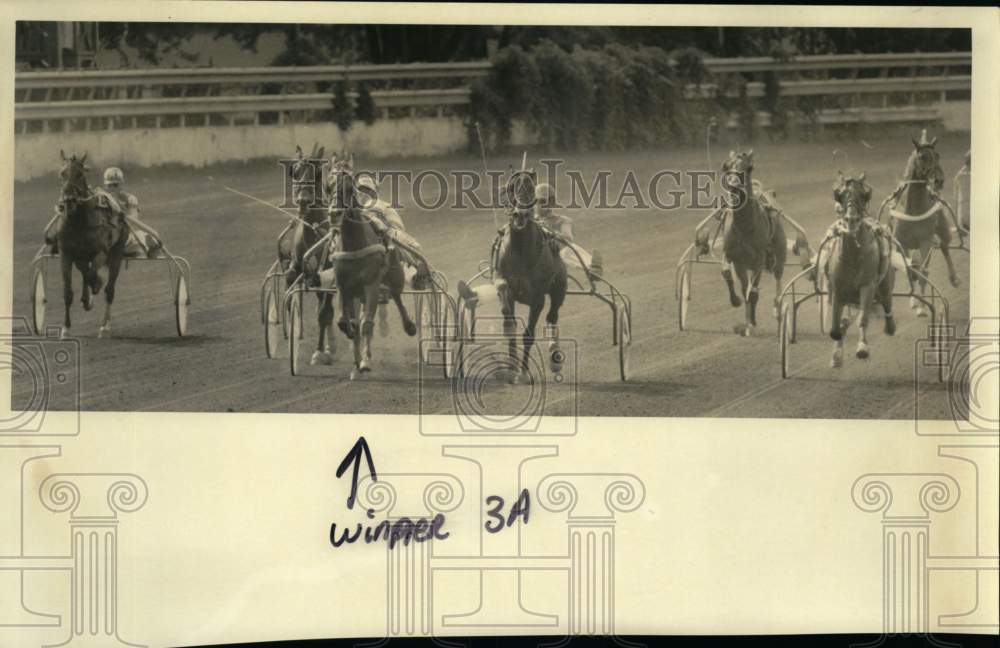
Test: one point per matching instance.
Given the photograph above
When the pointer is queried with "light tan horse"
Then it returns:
(858, 267)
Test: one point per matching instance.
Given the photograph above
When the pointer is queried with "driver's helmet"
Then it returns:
(366, 184)
(113, 177)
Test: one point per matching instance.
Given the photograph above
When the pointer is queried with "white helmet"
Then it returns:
(544, 192)
(113, 175)
(367, 184)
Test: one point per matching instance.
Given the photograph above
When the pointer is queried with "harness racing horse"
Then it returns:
(754, 239)
(312, 225)
(918, 213)
(362, 264)
(528, 268)
(92, 237)
(858, 267)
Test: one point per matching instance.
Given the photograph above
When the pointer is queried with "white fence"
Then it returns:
(421, 105)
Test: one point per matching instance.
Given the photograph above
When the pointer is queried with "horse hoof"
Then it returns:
(835, 362)
(890, 326)
(955, 281)
(921, 311)
(735, 301)
(364, 367)
(749, 330)
(836, 335)
(87, 305)
(862, 353)
(104, 332)
(64, 333)
(410, 328)
(355, 374)
(321, 358)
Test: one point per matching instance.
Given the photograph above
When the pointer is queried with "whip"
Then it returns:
(286, 212)
(482, 151)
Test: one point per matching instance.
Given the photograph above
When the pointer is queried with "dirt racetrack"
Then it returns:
(705, 371)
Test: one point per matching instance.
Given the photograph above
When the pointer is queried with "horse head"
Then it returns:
(852, 196)
(341, 185)
(73, 178)
(519, 197)
(924, 163)
(736, 173)
(307, 175)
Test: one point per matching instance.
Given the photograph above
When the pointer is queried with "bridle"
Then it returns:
(520, 210)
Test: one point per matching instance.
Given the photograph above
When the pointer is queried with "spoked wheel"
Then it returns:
(624, 342)
(294, 329)
(824, 302)
(785, 334)
(182, 299)
(425, 325)
(466, 333)
(441, 333)
(683, 298)
(272, 323)
(38, 301)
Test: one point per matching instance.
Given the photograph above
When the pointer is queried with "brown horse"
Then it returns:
(754, 239)
(919, 213)
(91, 238)
(858, 266)
(314, 223)
(528, 268)
(362, 264)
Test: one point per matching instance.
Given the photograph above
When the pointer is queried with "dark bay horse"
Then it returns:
(92, 237)
(361, 264)
(754, 239)
(528, 268)
(313, 224)
(858, 267)
(919, 213)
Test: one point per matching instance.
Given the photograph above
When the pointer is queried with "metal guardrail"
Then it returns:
(235, 93)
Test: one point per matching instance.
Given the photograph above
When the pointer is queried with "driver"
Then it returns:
(545, 200)
(142, 238)
(416, 269)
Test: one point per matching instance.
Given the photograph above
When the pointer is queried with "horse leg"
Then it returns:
(885, 291)
(114, 267)
(325, 317)
(727, 275)
(506, 297)
(528, 338)
(346, 320)
(744, 328)
(865, 297)
(556, 297)
(86, 275)
(368, 326)
(396, 280)
(924, 252)
(836, 329)
(66, 265)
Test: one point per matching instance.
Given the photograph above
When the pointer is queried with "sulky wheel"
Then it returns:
(38, 301)
(624, 342)
(425, 324)
(182, 300)
(784, 337)
(684, 298)
(272, 323)
(824, 302)
(441, 337)
(466, 333)
(295, 325)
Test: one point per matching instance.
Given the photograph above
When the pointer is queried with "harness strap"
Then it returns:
(344, 255)
(898, 215)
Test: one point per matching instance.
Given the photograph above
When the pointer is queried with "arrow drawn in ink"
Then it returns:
(360, 447)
